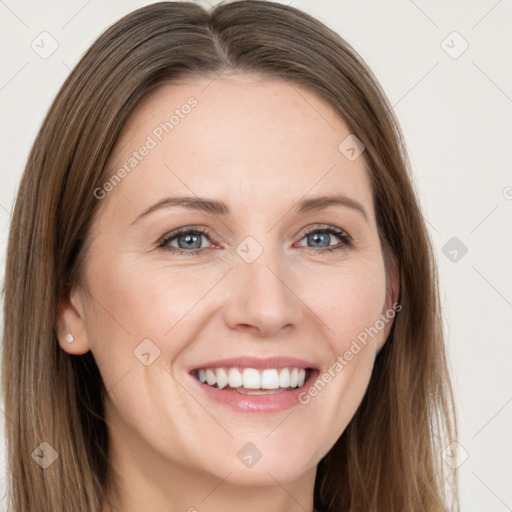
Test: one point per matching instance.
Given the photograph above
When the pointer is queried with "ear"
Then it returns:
(391, 305)
(70, 320)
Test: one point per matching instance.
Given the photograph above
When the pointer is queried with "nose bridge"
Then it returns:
(262, 289)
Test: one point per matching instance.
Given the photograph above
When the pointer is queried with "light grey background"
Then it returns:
(456, 114)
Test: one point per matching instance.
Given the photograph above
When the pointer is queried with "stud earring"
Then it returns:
(69, 337)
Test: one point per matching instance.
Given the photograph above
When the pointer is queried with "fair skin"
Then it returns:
(260, 147)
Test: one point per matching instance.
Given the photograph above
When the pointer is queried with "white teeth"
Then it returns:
(284, 378)
(293, 377)
(235, 378)
(251, 378)
(210, 377)
(222, 378)
(270, 379)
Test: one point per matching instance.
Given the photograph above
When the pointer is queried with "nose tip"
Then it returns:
(262, 300)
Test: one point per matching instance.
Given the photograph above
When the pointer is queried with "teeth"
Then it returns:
(222, 378)
(293, 377)
(251, 378)
(235, 378)
(284, 378)
(210, 377)
(270, 379)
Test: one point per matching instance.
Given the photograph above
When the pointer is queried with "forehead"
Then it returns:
(236, 136)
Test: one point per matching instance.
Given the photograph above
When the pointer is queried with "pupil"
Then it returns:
(319, 238)
(189, 241)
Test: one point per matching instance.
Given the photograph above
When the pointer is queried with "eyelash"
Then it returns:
(346, 240)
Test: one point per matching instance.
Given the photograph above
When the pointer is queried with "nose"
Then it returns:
(262, 297)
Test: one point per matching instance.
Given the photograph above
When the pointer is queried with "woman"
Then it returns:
(220, 291)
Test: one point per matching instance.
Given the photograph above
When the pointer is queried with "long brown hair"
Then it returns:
(389, 456)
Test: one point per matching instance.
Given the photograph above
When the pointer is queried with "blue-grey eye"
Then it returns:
(319, 239)
(184, 239)
(189, 240)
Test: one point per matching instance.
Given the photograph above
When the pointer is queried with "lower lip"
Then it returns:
(270, 403)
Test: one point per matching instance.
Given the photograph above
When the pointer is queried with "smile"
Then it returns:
(245, 380)
(254, 385)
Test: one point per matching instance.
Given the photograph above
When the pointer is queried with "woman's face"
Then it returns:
(258, 276)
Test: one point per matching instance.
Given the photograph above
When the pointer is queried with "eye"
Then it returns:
(320, 238)
(189, 241)
(185, 241)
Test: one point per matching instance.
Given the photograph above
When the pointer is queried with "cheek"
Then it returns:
(131, 303)
(351, 310)
(350, 302)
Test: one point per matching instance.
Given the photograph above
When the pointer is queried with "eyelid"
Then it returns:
(346, 239)
(329, 228)
(162, 241)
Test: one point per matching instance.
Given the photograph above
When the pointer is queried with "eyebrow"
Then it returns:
(216, 207)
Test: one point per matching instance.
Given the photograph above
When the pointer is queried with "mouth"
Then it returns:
(255, 385)
(253, 381)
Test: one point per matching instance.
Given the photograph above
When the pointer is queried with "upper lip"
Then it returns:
(257, 363)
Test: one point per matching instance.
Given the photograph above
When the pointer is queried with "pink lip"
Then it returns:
(257, 363)
(270, 403)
